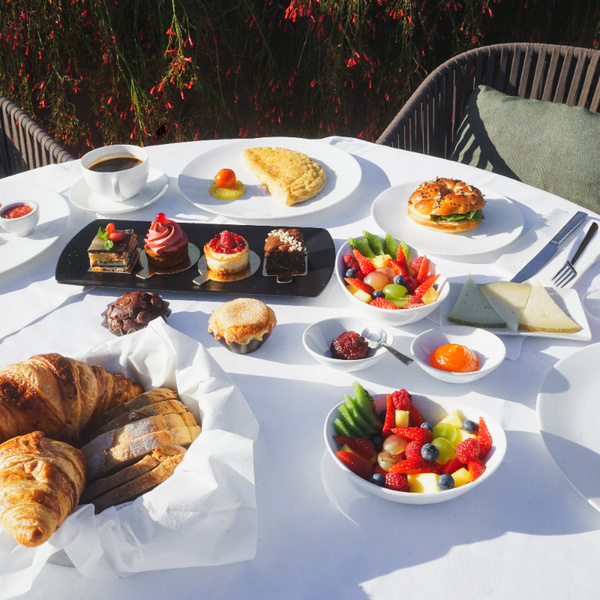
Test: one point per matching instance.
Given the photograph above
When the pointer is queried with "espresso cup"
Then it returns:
(118, 172)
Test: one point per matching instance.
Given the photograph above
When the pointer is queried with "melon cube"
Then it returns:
(461, 477)
(362, 295)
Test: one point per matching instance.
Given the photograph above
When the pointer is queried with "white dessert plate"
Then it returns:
(502, 225)
(567, 411)
(343, 177)
(54, 217)
(567, 298)
(83, 197)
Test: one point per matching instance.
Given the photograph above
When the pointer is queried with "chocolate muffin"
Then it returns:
(134, 310)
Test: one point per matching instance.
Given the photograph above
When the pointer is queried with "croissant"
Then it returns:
(57, 395)
(41, 481)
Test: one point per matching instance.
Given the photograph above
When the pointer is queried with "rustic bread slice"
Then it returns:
(127, 474)
(153, 409)
(103, 462)
(543, 314)
(145, 399)
(290, 176)
(138, 486)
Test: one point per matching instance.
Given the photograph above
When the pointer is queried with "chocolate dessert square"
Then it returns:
(285, 252)
(120, 258)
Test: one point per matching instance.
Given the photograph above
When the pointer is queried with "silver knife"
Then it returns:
(550, 249)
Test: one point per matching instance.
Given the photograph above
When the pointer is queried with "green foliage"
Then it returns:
(97, 72)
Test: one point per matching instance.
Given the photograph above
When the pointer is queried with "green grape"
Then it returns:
(394, 290)
(446, 448)
(446, 430)
(400, 302)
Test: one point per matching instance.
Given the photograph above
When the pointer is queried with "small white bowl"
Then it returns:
(433, 411)
(395, 318)
(317, 340)
(490, 350)
(20, 226)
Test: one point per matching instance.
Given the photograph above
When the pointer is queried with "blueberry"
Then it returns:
(378, 479)
(470, 426)
(377, 442)
(378, 294)
(430, 452)
(399, 279)
(350, 273)
(445, 482)
(426, 425)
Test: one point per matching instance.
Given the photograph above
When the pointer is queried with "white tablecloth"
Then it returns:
(526, 533)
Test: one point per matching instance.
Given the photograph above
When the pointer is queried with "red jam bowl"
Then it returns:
(19, 218)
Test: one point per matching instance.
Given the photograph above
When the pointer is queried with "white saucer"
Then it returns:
(83, 197)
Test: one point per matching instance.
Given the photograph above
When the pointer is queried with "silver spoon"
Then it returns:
(375, 335)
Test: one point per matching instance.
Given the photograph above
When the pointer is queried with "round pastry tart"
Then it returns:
(227, 254)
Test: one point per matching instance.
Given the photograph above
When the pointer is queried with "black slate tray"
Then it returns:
(73, 263)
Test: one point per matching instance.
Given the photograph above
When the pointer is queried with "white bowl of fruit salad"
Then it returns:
(411, 449)
(388, 281)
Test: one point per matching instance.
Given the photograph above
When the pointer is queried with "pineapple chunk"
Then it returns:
(380, 261)
(461, 477)
(454, 418)
(430, 296)
(422, 482)
(362, 295)
(402, 418)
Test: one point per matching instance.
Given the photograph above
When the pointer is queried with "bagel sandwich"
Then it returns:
(447, 205)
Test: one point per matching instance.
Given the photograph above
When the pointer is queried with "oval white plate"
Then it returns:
(569, 421)
(54, 217)
(343, 177)
(502, 225)
(83, 197)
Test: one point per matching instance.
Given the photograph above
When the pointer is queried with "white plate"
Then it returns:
(54, 217)
(502, 225)
(343, 177)
(567, 410)
(567, 298)
(83, 197)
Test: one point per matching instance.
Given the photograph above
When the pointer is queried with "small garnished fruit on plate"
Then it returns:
(382, 273)
(455, 358)
(226, 186)
(401, 451)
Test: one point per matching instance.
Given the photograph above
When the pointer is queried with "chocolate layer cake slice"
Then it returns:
(285, 253)
(119, 258)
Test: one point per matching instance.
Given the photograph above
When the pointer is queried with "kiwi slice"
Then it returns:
(390, 245)
(362, 246)
(374, 242)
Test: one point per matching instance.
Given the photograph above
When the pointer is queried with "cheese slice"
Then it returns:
(543, 314)
(471, 308)
(508, 299)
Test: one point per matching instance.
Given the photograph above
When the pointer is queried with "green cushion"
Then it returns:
(551, 146)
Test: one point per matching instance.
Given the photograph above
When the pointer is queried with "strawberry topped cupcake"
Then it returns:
(166, 244)
(227, 254)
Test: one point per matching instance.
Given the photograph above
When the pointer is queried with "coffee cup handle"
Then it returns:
(116, 189)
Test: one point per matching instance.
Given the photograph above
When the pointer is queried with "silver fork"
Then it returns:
(568, 272)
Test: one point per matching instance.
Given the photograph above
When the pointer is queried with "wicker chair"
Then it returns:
(23, 143)
(428, 122)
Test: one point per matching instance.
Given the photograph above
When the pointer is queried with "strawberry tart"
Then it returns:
(227, 254)
(166, 244)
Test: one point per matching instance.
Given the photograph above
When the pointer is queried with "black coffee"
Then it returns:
(115, 163)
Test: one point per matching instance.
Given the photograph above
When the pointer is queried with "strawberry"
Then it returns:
(390, 416)
(365, 265)
(413, 449)
(396, 481)
(356, 463)
(426, 285)
(451, 466)
(401, 260)
(415, 417)
(415, 264)
(361, 446)
(361, 285)
(380, 302)
(110, 228)
(410, 283)
(399, 268)
(467, 450)
(414, 302)
(476, 469)
(412, 466)
(420, 434)
(484, 438)
(116, 236)
(402, 399)
(423, 270)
